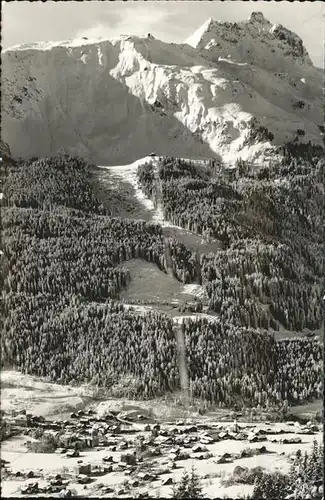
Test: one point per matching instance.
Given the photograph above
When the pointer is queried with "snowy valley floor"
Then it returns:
(214, 432)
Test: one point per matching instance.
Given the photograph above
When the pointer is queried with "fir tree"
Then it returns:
(272, 486)
(189, 486)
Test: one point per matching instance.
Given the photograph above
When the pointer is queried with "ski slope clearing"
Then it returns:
(128, 174)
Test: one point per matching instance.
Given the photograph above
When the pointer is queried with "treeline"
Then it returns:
(295, 159)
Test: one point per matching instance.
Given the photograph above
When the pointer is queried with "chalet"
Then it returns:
(21, 420)
(84, 469)
(145, 476)
(98, 470)
(167, 481)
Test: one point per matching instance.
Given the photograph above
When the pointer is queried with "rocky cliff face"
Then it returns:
(256, 41)
(232, 90)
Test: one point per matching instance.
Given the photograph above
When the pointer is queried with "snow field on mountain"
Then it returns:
(134, 93)
(49, 45)
(218, 103)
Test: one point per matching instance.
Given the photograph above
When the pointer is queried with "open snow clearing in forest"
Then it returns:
(128, 174)
(194, 289)
(150, 285)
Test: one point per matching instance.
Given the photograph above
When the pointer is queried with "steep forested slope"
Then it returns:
(63, 276)
(270, 224)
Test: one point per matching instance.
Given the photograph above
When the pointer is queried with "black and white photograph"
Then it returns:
(162, 249)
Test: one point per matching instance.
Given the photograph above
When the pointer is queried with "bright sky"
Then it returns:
(171, 21)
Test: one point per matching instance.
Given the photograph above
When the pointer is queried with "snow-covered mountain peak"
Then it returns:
(233, 90)
(254, 41)
(199, 34)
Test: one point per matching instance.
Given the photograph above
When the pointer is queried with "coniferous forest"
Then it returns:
(62, 274)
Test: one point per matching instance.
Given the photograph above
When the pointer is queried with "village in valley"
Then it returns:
(102, 452)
